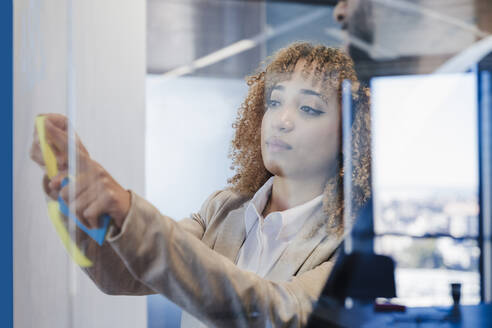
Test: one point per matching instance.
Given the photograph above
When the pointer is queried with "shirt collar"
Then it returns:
(257, 205)
(292, 219)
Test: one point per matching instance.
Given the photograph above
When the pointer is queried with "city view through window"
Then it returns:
(426, 185)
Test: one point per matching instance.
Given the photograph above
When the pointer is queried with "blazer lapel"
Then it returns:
(300, 248)
(302, 252)
(325, 250)
(231, 234)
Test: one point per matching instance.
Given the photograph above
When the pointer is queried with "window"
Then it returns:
(425, 181)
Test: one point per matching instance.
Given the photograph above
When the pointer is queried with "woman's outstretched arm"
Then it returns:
(110, 273)
(170, 261)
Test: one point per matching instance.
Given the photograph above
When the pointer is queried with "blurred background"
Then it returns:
(157, 84)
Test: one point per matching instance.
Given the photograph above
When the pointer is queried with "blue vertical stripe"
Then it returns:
(6, 111)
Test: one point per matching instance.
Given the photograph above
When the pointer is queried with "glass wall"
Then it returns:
(211, 157)
(424, 112)
(84, 61)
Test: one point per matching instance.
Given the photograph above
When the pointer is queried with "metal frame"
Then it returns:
(484, 77)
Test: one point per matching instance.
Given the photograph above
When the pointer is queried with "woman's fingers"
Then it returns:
(81, 184)
(52, 193)
(96, 193)
(59, 120)
(85, 194)
(55, 183)
(109, 198)
(94, 211)
(82, 202)
(57, 138)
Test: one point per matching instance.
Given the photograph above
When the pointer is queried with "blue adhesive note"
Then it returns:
(98, 234)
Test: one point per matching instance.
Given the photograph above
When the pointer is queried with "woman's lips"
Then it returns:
(275, 144)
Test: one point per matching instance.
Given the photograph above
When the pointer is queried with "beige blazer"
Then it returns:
(192, 262)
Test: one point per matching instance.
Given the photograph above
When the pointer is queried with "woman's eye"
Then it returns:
(311, 111)
(273, 103)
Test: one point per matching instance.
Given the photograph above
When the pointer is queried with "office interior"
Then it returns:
(153, 87)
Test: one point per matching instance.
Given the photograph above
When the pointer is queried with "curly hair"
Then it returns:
(331, 66)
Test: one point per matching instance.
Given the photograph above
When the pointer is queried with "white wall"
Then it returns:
(109, 45)
(188, 137)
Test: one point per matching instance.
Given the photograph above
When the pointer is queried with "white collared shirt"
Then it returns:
(267, 238)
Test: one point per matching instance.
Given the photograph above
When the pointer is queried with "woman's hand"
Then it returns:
(96, 192)
(56, 126)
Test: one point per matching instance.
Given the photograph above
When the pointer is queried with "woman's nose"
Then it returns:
(340, 11)
(284, 122)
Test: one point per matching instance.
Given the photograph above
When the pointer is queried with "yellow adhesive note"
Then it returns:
(48, 155)
(71, 247)
(53, 206)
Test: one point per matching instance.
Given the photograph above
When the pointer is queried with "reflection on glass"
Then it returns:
(198, 52)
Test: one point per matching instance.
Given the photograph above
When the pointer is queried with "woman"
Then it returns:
(258, 252)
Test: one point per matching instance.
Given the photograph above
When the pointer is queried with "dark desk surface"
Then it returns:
(476, 316)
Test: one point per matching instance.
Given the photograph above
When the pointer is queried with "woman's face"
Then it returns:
(300, 130)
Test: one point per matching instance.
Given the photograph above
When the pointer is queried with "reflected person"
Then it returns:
(258, 252)
(356, 18)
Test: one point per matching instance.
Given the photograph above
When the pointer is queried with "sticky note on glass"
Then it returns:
(54, 207)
